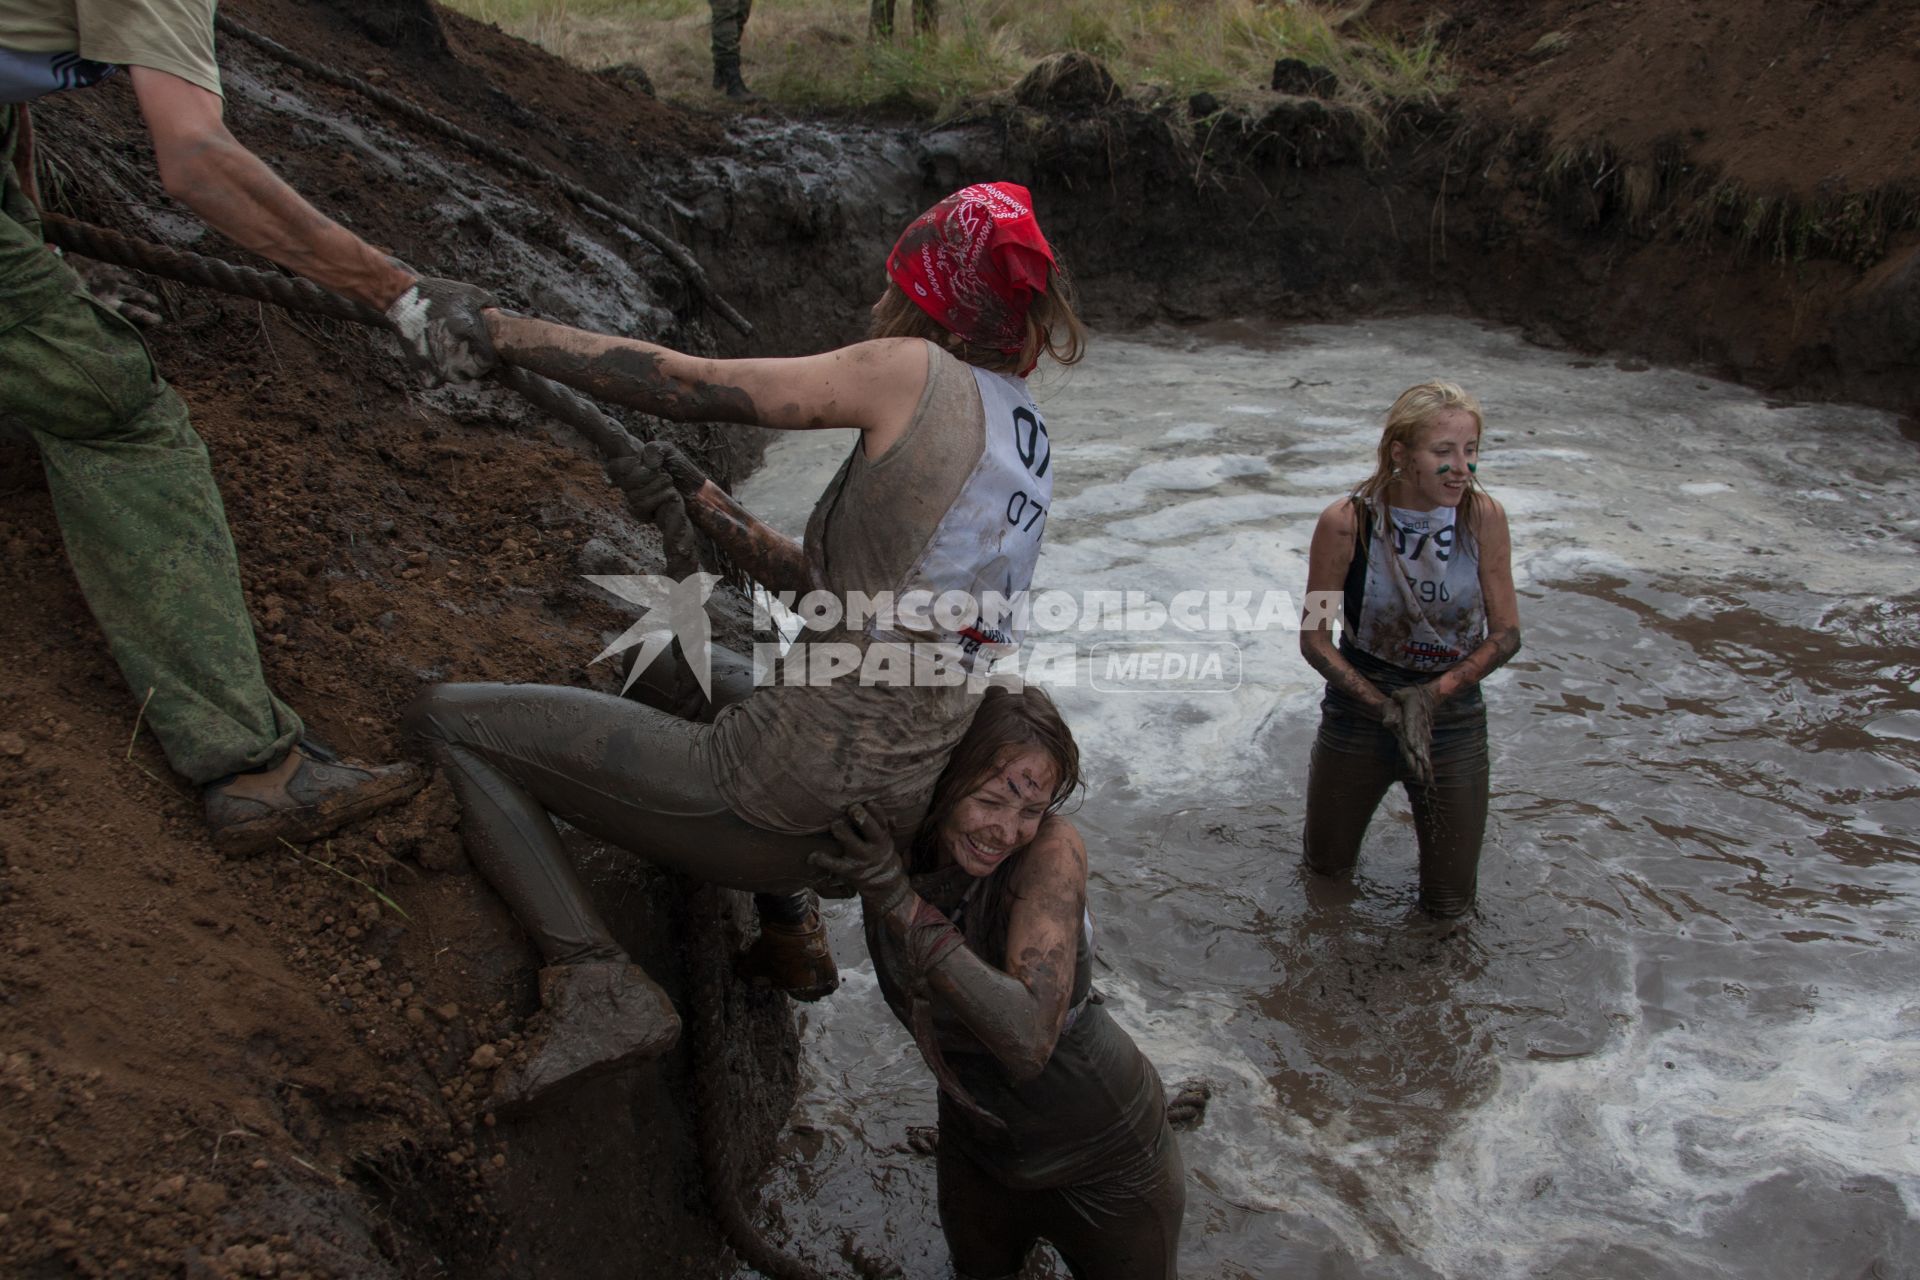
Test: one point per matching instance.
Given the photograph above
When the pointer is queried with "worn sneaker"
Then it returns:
(594, 1019)
(794, 958)
(307, 795)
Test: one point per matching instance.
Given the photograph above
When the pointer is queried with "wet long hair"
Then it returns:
(1412, 414)
(1052, 328)
(1006, 718)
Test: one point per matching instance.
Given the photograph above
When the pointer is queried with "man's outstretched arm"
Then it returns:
(205, 168)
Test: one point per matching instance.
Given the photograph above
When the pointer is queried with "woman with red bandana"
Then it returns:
(945, 490)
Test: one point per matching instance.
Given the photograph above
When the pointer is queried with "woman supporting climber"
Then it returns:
(1053, 1124)
(948, 437)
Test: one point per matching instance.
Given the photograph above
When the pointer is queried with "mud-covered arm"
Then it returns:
(874, 387)
(1015, 1014)
(1502, 604)
(661, 474)
(1328, 557)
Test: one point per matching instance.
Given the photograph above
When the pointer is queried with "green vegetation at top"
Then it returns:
(817, 53)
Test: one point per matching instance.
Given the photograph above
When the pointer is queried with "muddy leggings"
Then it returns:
(1355, 761)
(1129, 1230)
(626, 772)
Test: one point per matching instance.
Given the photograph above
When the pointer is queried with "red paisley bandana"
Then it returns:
(974, 261)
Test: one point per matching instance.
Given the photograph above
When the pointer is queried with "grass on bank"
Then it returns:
(817, 53)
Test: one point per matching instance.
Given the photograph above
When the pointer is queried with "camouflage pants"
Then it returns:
(729, 21)
(143, 523)
(926, 17)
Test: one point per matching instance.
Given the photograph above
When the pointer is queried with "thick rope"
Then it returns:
(609, 438)
(671, 249)
(707, 978)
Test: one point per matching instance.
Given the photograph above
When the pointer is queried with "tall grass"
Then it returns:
(817, 52)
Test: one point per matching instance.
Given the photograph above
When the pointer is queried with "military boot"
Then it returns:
(309, 794)
(595, 1019)
(726, 79)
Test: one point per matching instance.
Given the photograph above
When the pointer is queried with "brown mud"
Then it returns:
(263, 1068)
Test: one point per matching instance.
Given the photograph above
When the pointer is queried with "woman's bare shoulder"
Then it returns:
(1339, 516)
(1057, 851)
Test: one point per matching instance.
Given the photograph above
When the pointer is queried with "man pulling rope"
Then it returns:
(142, 520)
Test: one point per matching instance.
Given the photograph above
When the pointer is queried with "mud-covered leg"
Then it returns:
(987, 1235)
(1450, 821)
(1343, 790)
(599, 1012)
(792, 953)
(1128, 1226)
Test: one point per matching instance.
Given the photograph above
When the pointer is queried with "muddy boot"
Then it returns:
(726, 79)
(791, 954)
(309, 794)
(595, 1019)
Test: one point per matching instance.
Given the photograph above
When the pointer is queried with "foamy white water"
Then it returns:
(1681, 1037)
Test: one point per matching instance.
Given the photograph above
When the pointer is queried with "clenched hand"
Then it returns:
(1409, 714)
(441, 329)
(867, 861)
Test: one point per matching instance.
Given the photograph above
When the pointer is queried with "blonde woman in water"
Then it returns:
(1421, 557)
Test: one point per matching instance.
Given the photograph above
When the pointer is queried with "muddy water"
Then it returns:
(1681, 1035)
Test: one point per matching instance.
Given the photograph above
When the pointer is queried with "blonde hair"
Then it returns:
(1052, 328)
(1412, 414)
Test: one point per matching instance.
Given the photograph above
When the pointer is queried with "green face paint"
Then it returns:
(1444, 468)
(1473, 468)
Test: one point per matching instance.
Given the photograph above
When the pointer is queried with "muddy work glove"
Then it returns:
(658, 476)
(657, 482)
(1409, 714)
(441, 329)
(120, 290)
(867, 860)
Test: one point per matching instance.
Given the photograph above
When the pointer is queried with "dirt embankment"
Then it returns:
(265, 1068)
(1728, 185)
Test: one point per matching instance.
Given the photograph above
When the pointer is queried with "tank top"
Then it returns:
(1412, 592)
(988, 541)
(1094, 1111)
(936, 511)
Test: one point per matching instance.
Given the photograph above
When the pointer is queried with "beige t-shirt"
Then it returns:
(175, 36)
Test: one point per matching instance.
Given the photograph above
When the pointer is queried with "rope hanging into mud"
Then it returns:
(707, 976)
(609, 438)
(671, 249)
